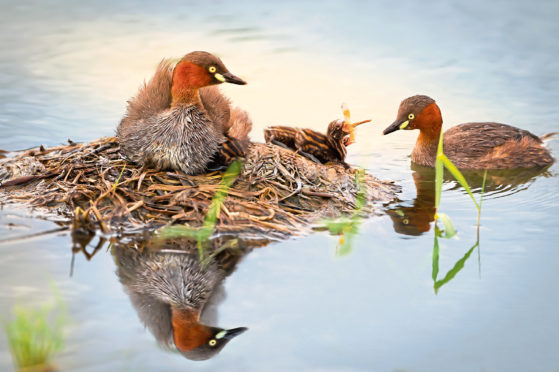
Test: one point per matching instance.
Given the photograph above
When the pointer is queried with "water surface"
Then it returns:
(67, 69)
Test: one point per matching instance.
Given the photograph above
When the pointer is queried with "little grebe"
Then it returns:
(179, 120)
(470, 145)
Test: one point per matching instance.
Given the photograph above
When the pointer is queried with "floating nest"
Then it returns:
(278, 193)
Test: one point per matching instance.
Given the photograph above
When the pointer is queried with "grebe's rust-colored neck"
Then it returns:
(187, 79)
(429, 122)
(188, 333)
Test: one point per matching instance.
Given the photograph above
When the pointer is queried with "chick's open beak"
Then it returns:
(349, 127)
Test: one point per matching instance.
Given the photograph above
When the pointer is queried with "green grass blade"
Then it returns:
(203, 233)
(435, 271)
(119, 177)
(348, 226)
(449, 230)
(178, 231)
(459, 177)
(455, 270)
(440, 145)
(482, 188)
(35, 335)
(439, 173)
(479, 210)
(228, 179)
(361, 198)
(346, 244)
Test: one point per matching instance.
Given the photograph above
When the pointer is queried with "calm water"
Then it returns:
(67, 69)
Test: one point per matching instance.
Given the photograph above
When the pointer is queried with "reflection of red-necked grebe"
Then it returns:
(170, 289)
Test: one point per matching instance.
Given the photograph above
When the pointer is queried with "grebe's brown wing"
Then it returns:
(217, 106)
(475, 140)
(154, 96)
(239, 126)
(233, 122)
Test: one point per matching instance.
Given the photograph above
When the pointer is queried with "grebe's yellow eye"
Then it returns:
(212, 342)
(212, 69)
(411, 116)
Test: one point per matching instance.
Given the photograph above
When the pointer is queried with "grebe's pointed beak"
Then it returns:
(234, 332)
(397, 125)
(230, 78)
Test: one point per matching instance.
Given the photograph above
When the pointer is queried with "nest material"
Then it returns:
(278, 193)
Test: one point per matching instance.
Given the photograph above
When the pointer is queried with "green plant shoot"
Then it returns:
(203, 233)
(35, 335)
(442, 162)
(119, 177)
(348, 227)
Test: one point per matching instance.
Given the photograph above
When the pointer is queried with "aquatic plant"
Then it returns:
(203, 233)
(347, 227)
(449, 231)
(115, 185)
(35, 335)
